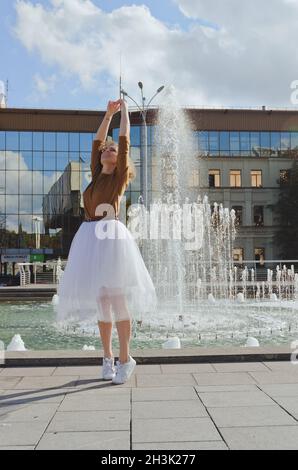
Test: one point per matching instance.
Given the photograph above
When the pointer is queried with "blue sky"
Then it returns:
(210, 55)
(19, 65)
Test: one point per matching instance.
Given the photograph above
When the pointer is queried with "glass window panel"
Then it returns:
(62, 141)
(49, 161)
(25, 182)
(203, 142)
(74, 141)
(49, 178)
(285, 140)
(213, 141)
(234, 143)
(115, 134)
(37, 182)
(255, 144)
(85, 142)
(49, 141)
(265, 144)
(27, 223)
(26, 160)
(62, 160)
(244, 141)
(37, 141)
(224, 139)
(136, 183)
(74, 156)
(2, 160)
(12, 204)
(37, 163)
(275, 143)
(12, 140)
(2, 140)
(12, 182)
(25, 140)
(235, 178)
(135, 135)
(37, 204)
(2, 182)
(25, 204)
(12, 160)
(2, 204)
(135, 153)
(294, 140)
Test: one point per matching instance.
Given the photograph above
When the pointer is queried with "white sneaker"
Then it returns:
(108, 369)
(124, 371)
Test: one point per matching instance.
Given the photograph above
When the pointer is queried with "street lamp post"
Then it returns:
(144, 154)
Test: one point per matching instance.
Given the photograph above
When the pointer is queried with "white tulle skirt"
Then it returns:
(105, 277)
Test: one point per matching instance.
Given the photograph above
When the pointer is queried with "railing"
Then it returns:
(40, 275)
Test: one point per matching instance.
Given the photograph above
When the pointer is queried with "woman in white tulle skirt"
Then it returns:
(105, 277)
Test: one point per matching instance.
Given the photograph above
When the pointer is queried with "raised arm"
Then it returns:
(101, 134)
(123, 147)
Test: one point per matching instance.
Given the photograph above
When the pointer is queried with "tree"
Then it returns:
(286, 208)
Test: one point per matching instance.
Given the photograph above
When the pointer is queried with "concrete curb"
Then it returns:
(55, 358)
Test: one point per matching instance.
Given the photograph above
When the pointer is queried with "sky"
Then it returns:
(65, 54)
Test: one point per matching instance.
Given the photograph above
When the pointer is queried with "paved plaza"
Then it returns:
(228, 405)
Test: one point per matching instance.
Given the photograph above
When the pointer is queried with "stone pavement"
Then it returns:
(240, 405)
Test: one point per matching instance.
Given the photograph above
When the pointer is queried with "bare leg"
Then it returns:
(123, 326)
(105, 327)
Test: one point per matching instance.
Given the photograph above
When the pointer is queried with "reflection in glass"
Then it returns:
(37, 204)
(62, 161)
(12, 182)
(275, 143)
(135, 153)
(2, 140)
(255, 144)
(37, 140)
(12, 159)
(37, 161)
(74, 141)
(224, 141)
(62, 141)
(234, 142)
(49, 179)
(25, 160)
(25, 140)
(12, 140)
(265, 144)
(49, 160)
(85, 142)
(12, 204)
(49, 141)
(2, 159)
(25, 204)
(37, 182)
(25, 182)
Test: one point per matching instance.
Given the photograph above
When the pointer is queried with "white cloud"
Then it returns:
(44, 86)
(249, 60)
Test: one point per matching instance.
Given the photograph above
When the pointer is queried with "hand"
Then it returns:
(123, 105)
(113, 107)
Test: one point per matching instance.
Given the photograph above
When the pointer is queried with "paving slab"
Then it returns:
(228, 399)
(169, 409)
(28, 371)
(18, 434)
(240, 367)
(78, 370)
(28, 413)
(9, 382)
(238, 416)
(105, 440)
(17, 448)
(227, 388)
(261, 438)
(31, 396)
(286, 366)
(186, 368)
(166, 380)
(190, 445)
(276, 377)
(290, 404)
(95, 403)
(46, 382)
(174, 430)
(280, 390)
(164, 393)
(110, 420)
(224, 378)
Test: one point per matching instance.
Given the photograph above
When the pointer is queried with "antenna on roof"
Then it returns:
(3, 94)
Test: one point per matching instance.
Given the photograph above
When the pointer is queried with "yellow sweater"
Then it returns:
(107, 188)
